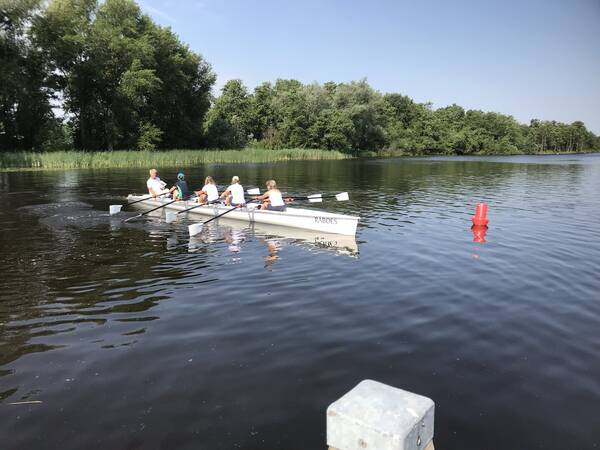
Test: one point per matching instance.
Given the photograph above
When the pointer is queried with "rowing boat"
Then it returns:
(303, 218)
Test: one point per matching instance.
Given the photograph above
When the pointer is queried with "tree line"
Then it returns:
(123, 82)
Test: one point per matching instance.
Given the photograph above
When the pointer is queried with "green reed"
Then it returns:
(166, 158)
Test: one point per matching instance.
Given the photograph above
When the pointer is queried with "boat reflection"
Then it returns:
(235, 237)
(313, 240)
(209, 235)
(236, 233)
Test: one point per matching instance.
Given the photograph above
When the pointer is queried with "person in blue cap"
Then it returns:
(180, 191)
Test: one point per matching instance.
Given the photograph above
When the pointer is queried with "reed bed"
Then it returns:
(166, 158)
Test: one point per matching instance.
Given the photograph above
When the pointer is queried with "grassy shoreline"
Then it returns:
(144, 159)
(124, 159)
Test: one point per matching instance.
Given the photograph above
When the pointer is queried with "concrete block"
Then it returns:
(380, 417)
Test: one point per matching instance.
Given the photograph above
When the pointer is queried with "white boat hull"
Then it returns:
(306, 219)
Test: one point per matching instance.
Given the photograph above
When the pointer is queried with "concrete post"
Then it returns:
(380, 417)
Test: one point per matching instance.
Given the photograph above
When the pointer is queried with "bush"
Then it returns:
(150, 137)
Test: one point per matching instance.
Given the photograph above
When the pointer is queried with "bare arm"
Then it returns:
(265, 196)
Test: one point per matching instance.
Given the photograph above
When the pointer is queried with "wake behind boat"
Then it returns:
(303, 218)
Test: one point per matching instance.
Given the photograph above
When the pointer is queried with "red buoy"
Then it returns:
(480, 217)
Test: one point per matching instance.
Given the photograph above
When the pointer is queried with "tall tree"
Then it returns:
(228, 122)
(124, 79)
(25, 112)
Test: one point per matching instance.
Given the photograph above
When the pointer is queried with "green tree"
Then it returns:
(229, 121)
(125, 82)
(262, 120)
(119, 74)
(26, 118)
(332, 130)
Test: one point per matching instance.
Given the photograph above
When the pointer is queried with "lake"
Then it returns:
(134, 336)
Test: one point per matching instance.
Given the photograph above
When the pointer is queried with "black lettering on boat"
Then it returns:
(328, 220)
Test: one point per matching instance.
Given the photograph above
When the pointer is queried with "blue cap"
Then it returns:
(180, 176)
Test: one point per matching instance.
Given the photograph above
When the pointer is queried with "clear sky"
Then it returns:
(529, 58)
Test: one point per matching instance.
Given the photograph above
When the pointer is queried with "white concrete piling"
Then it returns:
(380, 417)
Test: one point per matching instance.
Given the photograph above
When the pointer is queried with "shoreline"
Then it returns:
(125, 159)
(131, 159)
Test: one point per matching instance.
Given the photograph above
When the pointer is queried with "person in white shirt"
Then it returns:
(234, 194)
(154, 184)
(209, 192)
(272, 199)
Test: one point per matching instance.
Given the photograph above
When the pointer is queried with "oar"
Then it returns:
(115, 209)
(314, 198)
(148, 212)
(196, 228)
(318, 198)
(172, 216)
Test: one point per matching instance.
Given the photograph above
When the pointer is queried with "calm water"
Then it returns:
(133, 336)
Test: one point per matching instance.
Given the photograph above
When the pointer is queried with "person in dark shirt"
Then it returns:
(180, 191)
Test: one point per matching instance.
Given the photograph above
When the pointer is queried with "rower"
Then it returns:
(272, 200)
(154, 184)
(180, 191)
(208, 193)
(234, 194)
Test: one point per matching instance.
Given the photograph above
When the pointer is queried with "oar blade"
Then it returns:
(170, 217)
(195, 228)
(342, 197)
(114, 209)
(255, 191)
(315, 198)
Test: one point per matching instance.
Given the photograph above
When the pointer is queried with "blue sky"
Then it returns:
(530, 59)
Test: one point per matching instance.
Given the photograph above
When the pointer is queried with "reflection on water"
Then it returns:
(236, 232)
(242, 335)
(479, 232)
(273, 247)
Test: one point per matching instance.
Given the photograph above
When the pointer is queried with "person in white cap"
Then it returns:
(234, 194)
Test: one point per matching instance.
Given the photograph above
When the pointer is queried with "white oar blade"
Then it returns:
(251, 206)
(170, 217)
(195, 228)
(314, 196)
(114, 209)
(255, 191)
(342, 197)
(315, 200)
